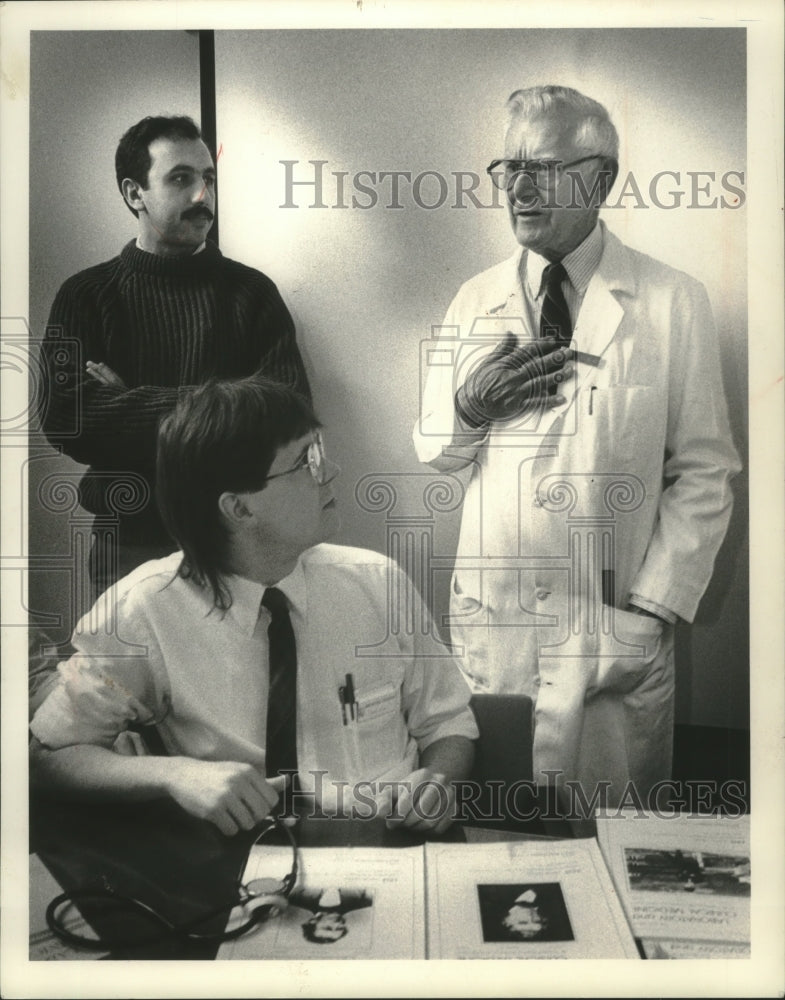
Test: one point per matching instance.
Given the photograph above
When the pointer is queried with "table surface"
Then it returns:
(184, 866)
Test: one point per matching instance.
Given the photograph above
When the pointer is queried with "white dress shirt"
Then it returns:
(154, 651)
(580, 264)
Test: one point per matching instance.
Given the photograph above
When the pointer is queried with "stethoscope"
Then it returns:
(266, 896)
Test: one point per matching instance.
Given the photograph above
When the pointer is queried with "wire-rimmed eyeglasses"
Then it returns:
(315, 458)
(142, 925)
(542, 173)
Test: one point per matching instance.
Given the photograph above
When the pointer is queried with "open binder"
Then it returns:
(543, 899)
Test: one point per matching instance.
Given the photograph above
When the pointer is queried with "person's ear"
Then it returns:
(234, 509)
(133, 192)
(610, 171)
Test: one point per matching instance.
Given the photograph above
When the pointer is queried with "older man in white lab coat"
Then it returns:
(581, 381)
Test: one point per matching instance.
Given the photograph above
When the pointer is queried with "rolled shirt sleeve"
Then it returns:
(441, 706)
(107, 685)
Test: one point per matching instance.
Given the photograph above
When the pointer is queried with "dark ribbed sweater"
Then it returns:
(161, 324)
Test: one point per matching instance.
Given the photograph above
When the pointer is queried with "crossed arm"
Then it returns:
(95, 412)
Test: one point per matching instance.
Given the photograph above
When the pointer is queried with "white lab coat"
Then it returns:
(630, 474)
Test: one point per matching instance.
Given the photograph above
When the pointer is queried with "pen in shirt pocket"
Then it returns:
(347, 700)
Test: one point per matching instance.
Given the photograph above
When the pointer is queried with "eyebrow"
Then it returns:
(180, 167)
(533, 159)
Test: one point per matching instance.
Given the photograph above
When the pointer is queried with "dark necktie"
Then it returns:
(282, 694)
(555, 321)
(555, 317)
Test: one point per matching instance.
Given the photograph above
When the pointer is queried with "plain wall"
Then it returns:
(366, 286)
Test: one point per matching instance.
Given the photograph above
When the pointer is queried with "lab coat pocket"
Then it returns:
(624, 423)
(467, 591)
(640, 638)
(466, 599)
(467, 616)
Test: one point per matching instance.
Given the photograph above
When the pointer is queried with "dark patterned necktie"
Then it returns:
(282, 694)
(555, 321)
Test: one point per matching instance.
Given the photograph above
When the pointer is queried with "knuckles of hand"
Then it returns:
(507, 383)
(427, 806)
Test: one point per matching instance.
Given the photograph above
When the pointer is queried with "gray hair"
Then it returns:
(595, 131)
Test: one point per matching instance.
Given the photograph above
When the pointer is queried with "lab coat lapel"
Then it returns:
(602, 309)
(601, 313)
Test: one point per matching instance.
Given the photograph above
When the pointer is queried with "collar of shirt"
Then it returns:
(196, 251)
(580, 264)
(247, 597)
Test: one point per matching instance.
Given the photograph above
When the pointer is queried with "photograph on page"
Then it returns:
(685, 881)
(348, 903)
(525, 900)
(524, 912)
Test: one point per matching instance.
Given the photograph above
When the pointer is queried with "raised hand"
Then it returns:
(513, 379)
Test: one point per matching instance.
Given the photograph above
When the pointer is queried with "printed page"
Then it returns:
(348, 903)
(523, 900)
(684, 881)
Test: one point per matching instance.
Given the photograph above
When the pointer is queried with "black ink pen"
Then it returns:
(349, 696)
(342, 701)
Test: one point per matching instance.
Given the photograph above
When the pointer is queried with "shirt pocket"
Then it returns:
(378, 703)
(380, 728)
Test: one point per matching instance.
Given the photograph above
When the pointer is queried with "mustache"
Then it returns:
(199, 211)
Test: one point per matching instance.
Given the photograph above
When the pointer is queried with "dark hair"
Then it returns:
(132, 158)
(310, 926)
(221, 436)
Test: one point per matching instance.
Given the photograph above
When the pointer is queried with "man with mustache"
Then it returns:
(167, 313)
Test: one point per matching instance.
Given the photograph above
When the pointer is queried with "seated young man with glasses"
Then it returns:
(245, 649)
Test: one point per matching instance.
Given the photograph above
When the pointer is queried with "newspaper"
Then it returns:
(684, 881)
